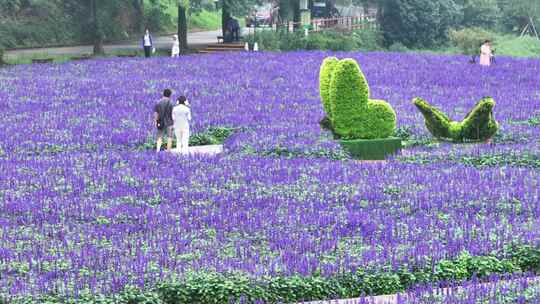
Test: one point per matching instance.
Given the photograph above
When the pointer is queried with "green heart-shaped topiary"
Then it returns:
(345, 96)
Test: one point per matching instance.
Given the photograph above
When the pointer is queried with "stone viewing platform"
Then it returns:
(209, 150)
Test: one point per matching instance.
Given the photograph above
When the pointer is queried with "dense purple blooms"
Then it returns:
(82, 209)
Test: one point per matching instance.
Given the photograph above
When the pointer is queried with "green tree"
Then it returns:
(469, 40)
(520, 15)
(417, 23)
(481, 13)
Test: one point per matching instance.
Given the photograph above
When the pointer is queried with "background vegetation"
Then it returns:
(443, 26)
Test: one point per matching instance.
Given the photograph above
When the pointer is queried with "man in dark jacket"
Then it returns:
(163, 120)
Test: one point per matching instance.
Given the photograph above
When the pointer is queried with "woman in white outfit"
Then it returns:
(181, 115)
(175, 52)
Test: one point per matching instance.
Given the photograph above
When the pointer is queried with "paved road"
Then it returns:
(194, 39)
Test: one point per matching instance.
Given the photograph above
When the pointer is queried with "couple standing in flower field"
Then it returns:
(169, 118)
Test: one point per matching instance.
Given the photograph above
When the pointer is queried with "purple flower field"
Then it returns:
(82, 209)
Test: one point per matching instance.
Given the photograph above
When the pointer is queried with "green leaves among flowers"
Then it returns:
(216, 288)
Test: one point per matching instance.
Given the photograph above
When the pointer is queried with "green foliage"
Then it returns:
(204, 19)
(480, 161)
(516, 13)
(478, 125)
(481, 13)
(157, 16)
(349, 93)
(372, 149)
(417, 23)
(211, 136)
(292, 153)
(526, 257)
(509, 45)
(216, 288)
(327, 69)
(398, 47)
(437, 122)
(469, 40)
(281, 40)
(17, 33)
(354, 115)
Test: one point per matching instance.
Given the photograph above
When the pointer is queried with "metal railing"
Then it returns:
(348, 23)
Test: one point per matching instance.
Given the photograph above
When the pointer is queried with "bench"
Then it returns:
(42, 60)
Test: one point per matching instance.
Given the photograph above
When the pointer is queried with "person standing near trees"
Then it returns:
(485, 53)
(175, 52)
(147, 43)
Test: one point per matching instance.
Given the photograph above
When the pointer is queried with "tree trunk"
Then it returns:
(98, 36)
(225, 15)
(2, 57)
(182, 28)
(296, 13)
(139, 10)
(284, 10)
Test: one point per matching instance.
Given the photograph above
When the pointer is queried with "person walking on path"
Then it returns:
(181, 115)
(175, 52)
(486, 53)
(147, 43)
(163, 120)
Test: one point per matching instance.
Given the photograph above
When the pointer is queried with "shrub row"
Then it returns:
(481, 161)
(366, 40)
(214, 288)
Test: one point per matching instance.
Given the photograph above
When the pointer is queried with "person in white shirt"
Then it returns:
(147, 43)
(181, 116)
(175, 52)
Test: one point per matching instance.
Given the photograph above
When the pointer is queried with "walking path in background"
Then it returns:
(195, 39)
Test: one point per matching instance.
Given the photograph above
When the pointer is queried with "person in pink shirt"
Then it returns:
(486, 53)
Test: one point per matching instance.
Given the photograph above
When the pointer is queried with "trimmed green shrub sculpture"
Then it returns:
(327, 68)
(478, 125)
(345, 97)
(364, 125)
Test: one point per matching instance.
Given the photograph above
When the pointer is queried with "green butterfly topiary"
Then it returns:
(345, 97)
(478, 125)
